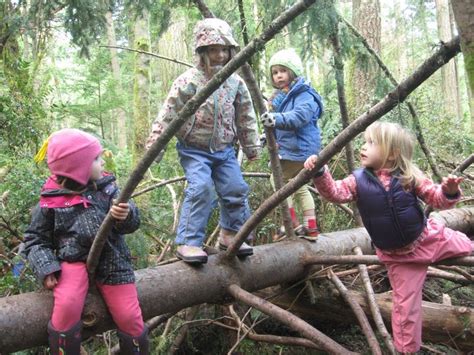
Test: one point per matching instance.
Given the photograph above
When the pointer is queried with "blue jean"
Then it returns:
(208, 173)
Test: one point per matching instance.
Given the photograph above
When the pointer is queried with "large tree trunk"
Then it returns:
(363, 76)
(448, 71)
(120, 129)
(141, 88)
(173, 287)
(464, 15)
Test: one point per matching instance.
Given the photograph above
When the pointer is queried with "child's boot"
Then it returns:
(311, 226)
(226, 237)
(191, 254)
(298, 228)
(67, 342)
(134, 345)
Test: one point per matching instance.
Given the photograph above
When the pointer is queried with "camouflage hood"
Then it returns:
(213, 31)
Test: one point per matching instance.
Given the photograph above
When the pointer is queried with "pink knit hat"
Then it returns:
(71, 153)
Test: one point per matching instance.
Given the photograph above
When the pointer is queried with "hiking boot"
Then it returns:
(191, 254)
(226, 239)
(134, 345)
(67, 342)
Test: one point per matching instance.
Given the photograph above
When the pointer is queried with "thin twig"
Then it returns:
(464, 165)
(163, 251)
(177, 61)
(274, 339)
(358, 312)
(181, 336)
(374, 308)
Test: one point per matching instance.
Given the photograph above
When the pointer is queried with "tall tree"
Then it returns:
(448, 72)
(363, 74)
(464, 15)
(121, 121)
(141, 87)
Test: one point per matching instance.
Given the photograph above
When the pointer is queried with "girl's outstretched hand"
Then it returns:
(50, 282)
(310, 162)
(120, 211)
(450, 184)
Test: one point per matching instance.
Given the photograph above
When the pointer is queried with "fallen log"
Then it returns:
(172, 287)
(442, 324)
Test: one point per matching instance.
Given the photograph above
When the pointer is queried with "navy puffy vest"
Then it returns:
(393, 218)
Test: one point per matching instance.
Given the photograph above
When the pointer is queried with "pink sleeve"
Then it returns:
(433, 195)
(338, 191)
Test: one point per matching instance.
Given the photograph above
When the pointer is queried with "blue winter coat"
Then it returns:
(296, 122)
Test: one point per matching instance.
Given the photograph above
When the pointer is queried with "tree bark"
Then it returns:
(141, 87)
(452, 104)
(170, 288)
(464, 15)
(363, 76)
(120, 134)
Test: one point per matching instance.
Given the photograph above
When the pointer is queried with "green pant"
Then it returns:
(290, 169)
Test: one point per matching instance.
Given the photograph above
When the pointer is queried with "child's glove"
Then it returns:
(267, 119)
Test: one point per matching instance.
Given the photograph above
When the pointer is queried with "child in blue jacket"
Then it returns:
(294, 110)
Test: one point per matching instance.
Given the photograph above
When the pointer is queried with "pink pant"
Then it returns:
(407, 274)
(70, 295)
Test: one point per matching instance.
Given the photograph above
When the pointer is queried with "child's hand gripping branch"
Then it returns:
(120, 211)
(310, 163)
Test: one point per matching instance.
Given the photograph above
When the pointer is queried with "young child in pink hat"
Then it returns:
(73, 203)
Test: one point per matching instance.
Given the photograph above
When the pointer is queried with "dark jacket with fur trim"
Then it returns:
(64, 225)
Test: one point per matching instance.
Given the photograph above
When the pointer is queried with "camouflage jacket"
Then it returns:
(225, 117)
